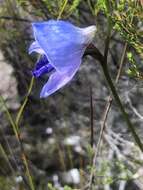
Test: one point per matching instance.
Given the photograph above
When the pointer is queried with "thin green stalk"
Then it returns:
(28, 172)
(62, 9)
(10, 118)
(90, 7)
(24, 103)
(20, 112)
(16, 132)
(6, 158)
(8, 146)
(109, 30)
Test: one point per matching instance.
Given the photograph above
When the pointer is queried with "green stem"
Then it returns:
(118, 101)
(62, 9)
(96, 54)
(21, 110)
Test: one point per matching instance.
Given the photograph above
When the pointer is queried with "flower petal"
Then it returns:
(34, 47)
(61, 41)
(43, 70)
(63, 46)
(41, 62)
(57, 80)
(42, 67)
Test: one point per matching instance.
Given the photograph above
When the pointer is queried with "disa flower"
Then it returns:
(61, 46)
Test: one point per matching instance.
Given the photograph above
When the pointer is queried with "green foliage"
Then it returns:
(51, 187)
(6, 183)
(67, 188)
(73, 6)
(126, 16)
(102, 5)
(134, 70)
(127, 21)
(109, 172)
(50, 9)
(124, 172)
(22, 2)
(90, 152)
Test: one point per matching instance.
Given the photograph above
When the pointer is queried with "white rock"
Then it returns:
(49, 130)
(72, 176)
(73, 140)
(8, 84)
(18, 179)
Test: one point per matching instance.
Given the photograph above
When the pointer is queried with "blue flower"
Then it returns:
(61, 46)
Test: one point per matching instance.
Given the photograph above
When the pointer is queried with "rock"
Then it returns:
(71, 177)
(8, 87)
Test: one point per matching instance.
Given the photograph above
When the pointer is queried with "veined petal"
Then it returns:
(63, 46)
(89, 33)
(57, 80)
(34, 47)
(61, 41)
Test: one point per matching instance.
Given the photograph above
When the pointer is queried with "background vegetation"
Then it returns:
(77, 138)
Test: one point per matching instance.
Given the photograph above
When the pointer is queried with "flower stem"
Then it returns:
(96, 54)
(62, 9)
(118, 101)
(21, 110)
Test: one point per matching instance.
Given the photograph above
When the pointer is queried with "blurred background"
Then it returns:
(54, 145)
